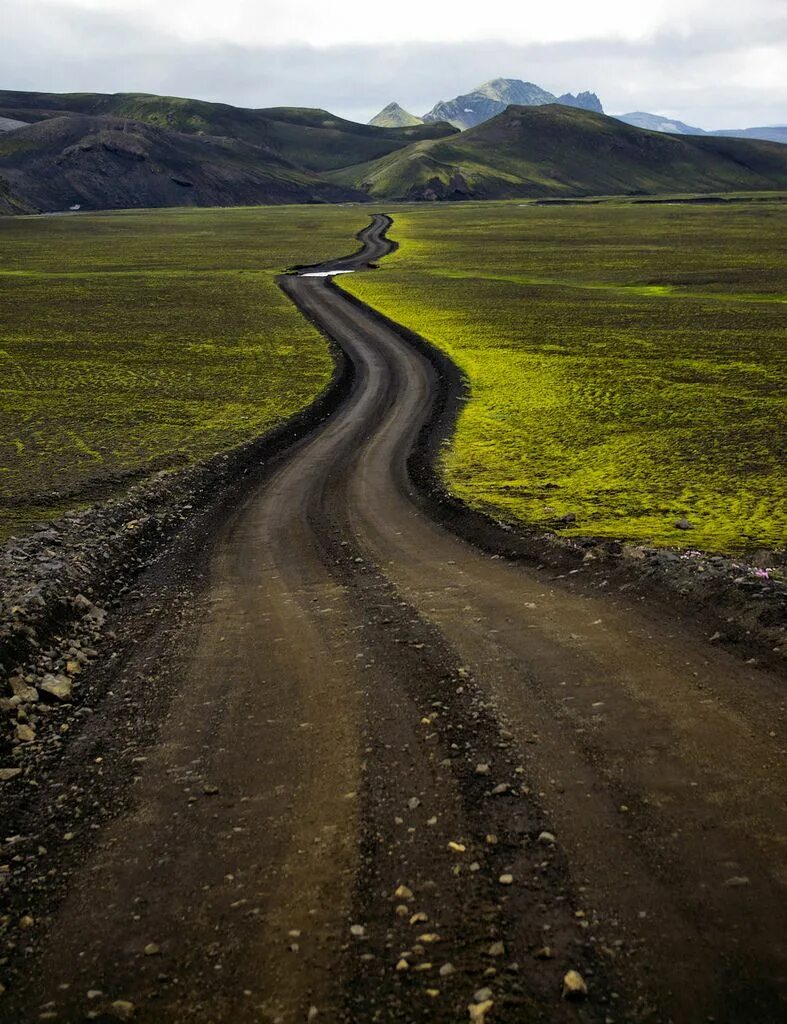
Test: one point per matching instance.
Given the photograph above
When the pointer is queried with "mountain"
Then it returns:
(657, 123)
(394, 116)
(108, 162)
(315, 140)
(553, 150)
(103, 151)
(771, 133)
(131, 149)
(493, 97)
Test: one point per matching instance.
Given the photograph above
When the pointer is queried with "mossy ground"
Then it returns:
(140, 340)
(627, 362)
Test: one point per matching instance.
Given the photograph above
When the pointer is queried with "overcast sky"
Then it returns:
(712, 63)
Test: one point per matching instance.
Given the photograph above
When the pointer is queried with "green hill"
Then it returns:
(109, 162)
(394, 116)
(554, 150)
(134, 149)
(312, 139)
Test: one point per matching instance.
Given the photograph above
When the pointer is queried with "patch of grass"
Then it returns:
(140, 340)
(627, 362)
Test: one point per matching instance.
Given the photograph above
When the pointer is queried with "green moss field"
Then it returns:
(627, 362)
(133, 341)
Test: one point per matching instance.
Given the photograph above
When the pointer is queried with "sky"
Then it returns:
(711, 63)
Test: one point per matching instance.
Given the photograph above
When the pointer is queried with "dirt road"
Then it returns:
(359, 770)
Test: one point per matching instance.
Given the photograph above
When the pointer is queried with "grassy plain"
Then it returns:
(627, 362)
(140, 340)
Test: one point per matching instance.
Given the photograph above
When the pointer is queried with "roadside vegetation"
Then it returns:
(135, 341)
(626, 362)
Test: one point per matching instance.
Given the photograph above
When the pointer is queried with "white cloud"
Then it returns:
(724, 70)
(320, 23)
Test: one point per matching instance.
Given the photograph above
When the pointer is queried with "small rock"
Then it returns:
(481, 995)
(574, 986)
(122, 1009)
(506, 879)
(478, 1011)
(413, 802)
(456, 847)
(403, 893)
(56, 686)
(25, 733)
(26, 922)
(545, 953)
(312, 1014)
(209, 789)
(402, 965)
(152, 949)
(6, 774)
(357, 930)
(683, 524)
(737, 881)
(23, 690)
(447, 970)
(546, 837)
(419, 918)
(482, 769)
(497, 949)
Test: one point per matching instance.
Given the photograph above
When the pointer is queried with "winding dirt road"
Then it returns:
(377, 771)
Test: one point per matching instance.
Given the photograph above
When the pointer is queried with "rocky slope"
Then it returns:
(493, 97)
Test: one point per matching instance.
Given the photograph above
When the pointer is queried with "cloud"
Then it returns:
(711, 76)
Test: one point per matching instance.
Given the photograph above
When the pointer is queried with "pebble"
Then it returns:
(447, 970)
(482, 769)
(497, 949)
(6, 774)
(683, 524)
(152, 949)
(546, 837)
(122, 1009)
(481, 995)
(574, 986)
(456, 847)
(357, 930)
(478, 1011)
(403, 893)
(506, 879)
(402, 965)
(209, 789)
(25, 734)
(56, 686)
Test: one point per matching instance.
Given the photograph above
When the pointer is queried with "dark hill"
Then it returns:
(554, 150)
(105, 162)
(308, 138)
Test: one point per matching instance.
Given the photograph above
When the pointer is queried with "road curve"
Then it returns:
(394, 771)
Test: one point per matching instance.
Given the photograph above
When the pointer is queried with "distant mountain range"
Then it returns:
(657, 123)
(100, 151)
(484, 102)
(493, 97)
